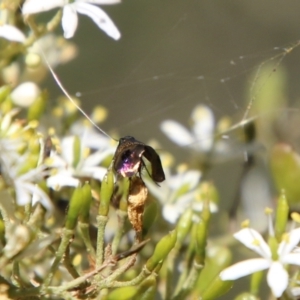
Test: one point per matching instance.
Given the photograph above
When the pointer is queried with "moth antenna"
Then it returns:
(55, 77)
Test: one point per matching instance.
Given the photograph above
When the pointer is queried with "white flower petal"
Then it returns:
(254, 241)
(185, 199)
(57, 162)
(12, 33)
(198, 206)
(171, 212)
(97, 157)
(293, 240)
(99, 173)
(69, 20)
(90, 137)
(101, 2)
(100, 17)
(191, 177)
(244, 268)
(291, 258)
(25, 94)
(177, 133)
(277, 279)
(204, 124)
(35, 6)
(33, 174)
(38, 195)
(23, 196)
(61, 179)
(67, 145)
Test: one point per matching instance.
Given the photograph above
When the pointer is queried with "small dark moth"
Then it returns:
(128, 159)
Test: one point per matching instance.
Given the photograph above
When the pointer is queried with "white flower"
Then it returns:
(70, 10)
(70, 168)
(25, 94)
(28, 191)
(201, 137)
(25, 185)
(11, 33)
(12, 139)
(178, 192)
(90, 137)
(277, 276)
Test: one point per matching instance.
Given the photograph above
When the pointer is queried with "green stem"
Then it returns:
(189, 282)
(101, 223)
(144, 273)
(187, 262)
(108, 281)
(24, 293)
(67, 235)
(119, 232)
(69, 266)
(59, 290)
(170, 272)
(85, 235)
(76, 282)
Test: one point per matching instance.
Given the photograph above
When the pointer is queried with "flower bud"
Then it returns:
(75, 207)
(281, 216)
(184, 226)
(124, 293)
(86, 200)
(201, 233)
(37, 108)
(106, 191)
(256, 280)
(217, 258)
(216, 289)
(162, 249)
(76, 151)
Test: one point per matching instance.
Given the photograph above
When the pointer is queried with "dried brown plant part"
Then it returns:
(138, 193)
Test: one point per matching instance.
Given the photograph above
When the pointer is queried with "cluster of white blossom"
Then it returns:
(69, 17)
(273, 259)
(24, 167)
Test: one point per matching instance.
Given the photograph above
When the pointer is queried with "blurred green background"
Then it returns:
(155, 71)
